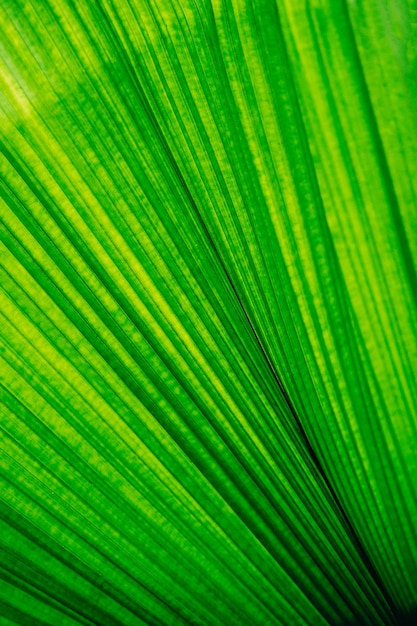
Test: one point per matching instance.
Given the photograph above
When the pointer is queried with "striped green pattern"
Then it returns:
(208, 320)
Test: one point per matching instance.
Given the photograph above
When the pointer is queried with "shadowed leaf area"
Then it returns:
(208, 319)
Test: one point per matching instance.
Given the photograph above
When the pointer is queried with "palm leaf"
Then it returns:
(208, 312)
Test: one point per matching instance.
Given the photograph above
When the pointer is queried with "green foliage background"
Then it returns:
(208, 312)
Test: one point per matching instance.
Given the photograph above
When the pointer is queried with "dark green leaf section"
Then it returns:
(208, 320)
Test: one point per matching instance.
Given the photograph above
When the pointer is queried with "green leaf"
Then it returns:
(208, 312)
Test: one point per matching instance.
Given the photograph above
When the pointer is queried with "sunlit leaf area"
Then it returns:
(208, 320)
